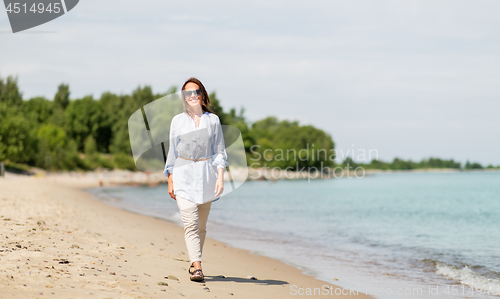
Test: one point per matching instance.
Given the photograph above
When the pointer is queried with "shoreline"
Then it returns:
(130, 178)
(59, 240)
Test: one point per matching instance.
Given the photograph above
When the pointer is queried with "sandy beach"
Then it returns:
(57, 241)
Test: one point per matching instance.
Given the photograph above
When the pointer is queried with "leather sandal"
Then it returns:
(196, 276)
(191, 269)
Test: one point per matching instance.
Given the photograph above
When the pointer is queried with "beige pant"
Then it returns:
(194, 217)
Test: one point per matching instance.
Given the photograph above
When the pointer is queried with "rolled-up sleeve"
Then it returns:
(172, 151)
(219, 156)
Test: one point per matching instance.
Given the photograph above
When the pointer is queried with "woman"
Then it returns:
(195, 167)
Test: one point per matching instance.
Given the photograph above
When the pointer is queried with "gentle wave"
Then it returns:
(468, 277)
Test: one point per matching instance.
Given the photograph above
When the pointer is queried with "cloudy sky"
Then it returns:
(409, 79)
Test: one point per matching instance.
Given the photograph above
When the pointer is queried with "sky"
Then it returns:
(407, 79)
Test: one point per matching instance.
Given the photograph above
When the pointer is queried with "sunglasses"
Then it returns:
(189, 93)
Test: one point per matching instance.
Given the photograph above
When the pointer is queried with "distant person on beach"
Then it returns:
(195, 167)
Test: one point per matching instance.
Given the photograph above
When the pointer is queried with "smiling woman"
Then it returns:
(197, 156)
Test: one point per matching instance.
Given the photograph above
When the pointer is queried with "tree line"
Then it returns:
(87, 133)
(400, 164)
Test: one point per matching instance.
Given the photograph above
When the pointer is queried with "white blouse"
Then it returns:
(195, 180)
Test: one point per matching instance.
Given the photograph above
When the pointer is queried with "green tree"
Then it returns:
(217, 108)
(114, 123)
(377, 164)
(469, 166)
(9, 92)
(16, 140)
(349, 163)
(55, 136)
(61, 98)
(91, 155)
(399, 164)
(239, 121)
(287, 144)
(85, 117)
(90, 146)
(142, 96)
(55, 150)
(38, 109)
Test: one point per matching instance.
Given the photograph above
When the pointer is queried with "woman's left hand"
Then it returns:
(219, 187)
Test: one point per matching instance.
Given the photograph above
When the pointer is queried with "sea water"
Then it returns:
(399, 235)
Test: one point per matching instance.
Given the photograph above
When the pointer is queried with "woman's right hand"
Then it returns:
(171, 185)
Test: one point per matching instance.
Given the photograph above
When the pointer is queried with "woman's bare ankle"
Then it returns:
(197, 265)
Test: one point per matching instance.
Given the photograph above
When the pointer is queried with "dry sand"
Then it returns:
(57, 241)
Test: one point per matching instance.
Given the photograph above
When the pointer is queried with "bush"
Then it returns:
(124, 161)
(105, 161)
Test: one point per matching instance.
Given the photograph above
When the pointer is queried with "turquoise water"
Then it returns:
(405, 235)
